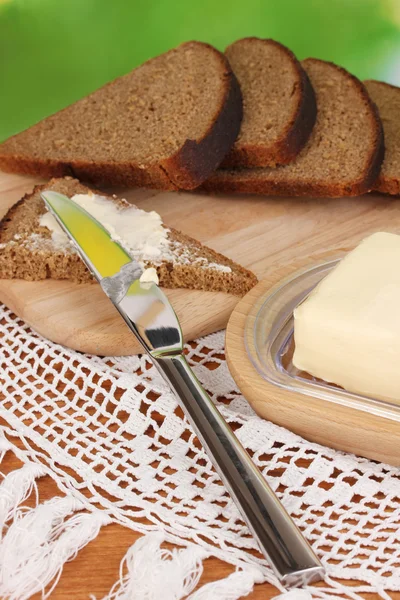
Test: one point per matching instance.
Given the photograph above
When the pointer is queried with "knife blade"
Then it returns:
(151, 318)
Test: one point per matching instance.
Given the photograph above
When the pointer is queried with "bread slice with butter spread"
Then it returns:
(31, 249)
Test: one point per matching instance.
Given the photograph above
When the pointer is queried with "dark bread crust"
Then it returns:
(243, 180)
(17, 261)
(297, 131)
(378, 153)
(66, 185)
(186, 169)
(303, 122)
(385, 183)
(195, 161)
(98, 173)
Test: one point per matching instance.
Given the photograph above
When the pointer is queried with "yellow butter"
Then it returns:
(347, 331)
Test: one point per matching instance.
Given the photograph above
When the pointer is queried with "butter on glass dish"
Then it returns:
(329, 331)
(347, 331)
(293, 387)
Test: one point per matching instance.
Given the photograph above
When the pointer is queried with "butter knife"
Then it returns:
(151, 318)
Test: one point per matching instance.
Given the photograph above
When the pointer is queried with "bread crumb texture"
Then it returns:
(27, 251)
(343, 155)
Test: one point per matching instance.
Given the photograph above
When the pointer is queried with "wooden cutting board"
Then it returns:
(257, 232)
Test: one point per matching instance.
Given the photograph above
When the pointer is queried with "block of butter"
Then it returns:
(347, 331)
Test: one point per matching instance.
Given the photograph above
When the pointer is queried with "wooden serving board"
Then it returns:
(330, 424)
(257, 232)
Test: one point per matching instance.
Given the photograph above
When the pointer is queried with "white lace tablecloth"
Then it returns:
(111, 435)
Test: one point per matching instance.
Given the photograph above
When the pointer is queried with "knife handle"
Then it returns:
(290, 556)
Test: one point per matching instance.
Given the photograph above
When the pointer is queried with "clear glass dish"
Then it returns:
(269, 344)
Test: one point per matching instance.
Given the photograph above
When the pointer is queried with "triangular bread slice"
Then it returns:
(387, 99)
(28, 250)
(279, 108)
(168, 124)
(343, 155)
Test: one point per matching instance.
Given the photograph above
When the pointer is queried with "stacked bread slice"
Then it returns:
(387, 99)
(342, 156)
(279, 108)
(253, 120)
(168, 124)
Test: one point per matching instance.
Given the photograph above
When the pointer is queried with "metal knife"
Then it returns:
(151, 318)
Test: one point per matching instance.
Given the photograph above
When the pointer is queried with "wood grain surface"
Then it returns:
(256, 232)
(81, 317)
(261, 233)
(96, 567)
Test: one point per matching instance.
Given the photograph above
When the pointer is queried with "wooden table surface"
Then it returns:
(96, 568)
(270, 231)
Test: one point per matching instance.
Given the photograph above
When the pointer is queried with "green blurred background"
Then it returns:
(53, 52)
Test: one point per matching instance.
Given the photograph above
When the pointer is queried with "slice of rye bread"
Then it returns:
(343, 155)
(27, 251)
(168, 124)
(387, 99)
(279, 108)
